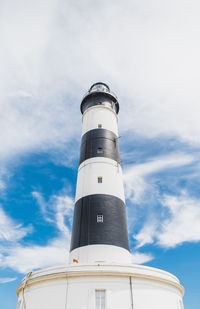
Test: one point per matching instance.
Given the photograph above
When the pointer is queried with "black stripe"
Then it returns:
(86, 230)
(99, 98)
(97, 140)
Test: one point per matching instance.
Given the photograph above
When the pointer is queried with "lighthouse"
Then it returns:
(99, 273)
(100, 231)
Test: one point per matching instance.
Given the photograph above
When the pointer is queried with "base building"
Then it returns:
(100, 274)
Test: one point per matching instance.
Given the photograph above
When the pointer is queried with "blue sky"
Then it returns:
(148, 53)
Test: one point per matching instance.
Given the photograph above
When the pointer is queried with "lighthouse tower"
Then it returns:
(100, 231)
(99, 274)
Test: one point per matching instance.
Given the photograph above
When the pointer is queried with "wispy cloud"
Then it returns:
(183, 223)
(147, 233)
(26, 257)
(10, 230)
(179, 224)
(7, 280)
(44, 76)
(2, 185)
(56, 208)
(64, 208)
(164, 219)
(44, 79)
(43, 206)
(135, 175)
(4, 177)
(141, 258)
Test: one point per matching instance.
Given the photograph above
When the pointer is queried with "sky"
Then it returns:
(51, 51)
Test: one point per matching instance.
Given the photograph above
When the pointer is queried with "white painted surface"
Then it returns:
(99, 114)
(73, 287)
(91, 169)
(100, 254)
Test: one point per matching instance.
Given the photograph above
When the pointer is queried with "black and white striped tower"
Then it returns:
(103, 276)
(99, 231)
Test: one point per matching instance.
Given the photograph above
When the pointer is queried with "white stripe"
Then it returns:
(91, 169)
(99, 115)
(100, 254)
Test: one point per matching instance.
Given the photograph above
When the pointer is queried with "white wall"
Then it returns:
(91, 169)
(100, 254)
(73, 287)
(99, 115)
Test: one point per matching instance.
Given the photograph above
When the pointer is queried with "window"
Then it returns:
(99, 125)
(100, 218)
(99, 150)
(100, 299)
(100, 179)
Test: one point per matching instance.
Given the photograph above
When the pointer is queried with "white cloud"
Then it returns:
(141, 258)
(166, 220)
(26, 257)
(64, 207)
(53, 50)
(183, 224)
(2, 185)
(10, 230)
(40, 201)
(55, 209)
(135, 175)
(6, 280)
(4, 177)
(43, 206)
(146, 234)
(179, 224)
(148, 54)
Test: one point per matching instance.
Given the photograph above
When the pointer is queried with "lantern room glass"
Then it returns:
(100, 87)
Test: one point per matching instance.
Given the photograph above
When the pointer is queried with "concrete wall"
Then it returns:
(73, 287)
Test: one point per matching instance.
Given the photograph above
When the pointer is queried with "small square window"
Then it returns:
(100, 218)
(100, 179)
(99, 125)
(99, 150)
